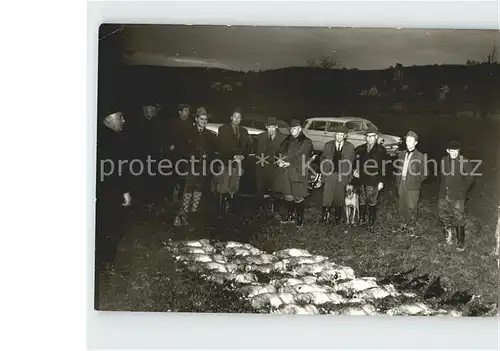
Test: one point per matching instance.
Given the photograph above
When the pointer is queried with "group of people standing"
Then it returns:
(282, 164)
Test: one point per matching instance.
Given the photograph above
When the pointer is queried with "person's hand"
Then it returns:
(356, 173)
(172, 147)
(286, 164)
(127, 199)
(380, 186)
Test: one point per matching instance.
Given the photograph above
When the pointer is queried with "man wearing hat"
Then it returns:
(410, 170)
(456, 179)
(337, 163)
(113, 189)
(147, 133)
(293, 157)
(200, 147)
(268, 144)
(233, 146)
(176, 145)
(370, 169)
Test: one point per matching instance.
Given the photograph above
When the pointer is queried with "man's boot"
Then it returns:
(290, 205)
(299, 212)
(372, 214)
(449, 235)
(326, 214)
(276, 208)
(362, 214)
(338, 215)
(460, 238)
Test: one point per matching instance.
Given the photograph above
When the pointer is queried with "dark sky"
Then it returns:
(255, 48)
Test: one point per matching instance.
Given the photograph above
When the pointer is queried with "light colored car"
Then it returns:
(321, 130)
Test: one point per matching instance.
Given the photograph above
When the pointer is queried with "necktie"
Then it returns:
(407, 161)
(237, 133)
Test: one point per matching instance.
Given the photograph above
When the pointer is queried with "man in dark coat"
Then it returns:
(410, 171)
(201, 146)
(371, 167)
(293, 158)
(113, 191)
(456, 179)
(147, 135)
(233, 146)
(268, 144)
(337, 163)
(176, 148)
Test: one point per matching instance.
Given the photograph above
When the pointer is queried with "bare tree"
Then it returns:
(492, 56)
(327, 62)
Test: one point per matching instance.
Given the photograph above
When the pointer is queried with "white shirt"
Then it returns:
(339, 146)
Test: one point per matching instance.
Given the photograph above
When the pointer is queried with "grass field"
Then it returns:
(147, 279)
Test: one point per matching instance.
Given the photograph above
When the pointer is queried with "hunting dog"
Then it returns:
(351, 203)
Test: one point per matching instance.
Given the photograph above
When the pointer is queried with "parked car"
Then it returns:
(321, 130)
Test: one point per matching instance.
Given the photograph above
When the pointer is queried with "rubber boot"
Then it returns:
(276, 208)
(290, 205)
(325, 214)
(299, 212)
(449, 235)
(372, 214)
(460, 238)
(362, 214)
(338, 215)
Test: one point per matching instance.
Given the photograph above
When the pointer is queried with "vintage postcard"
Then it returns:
(297, 170)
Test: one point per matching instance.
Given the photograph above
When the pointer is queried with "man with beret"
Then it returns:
(293, 157)
(113, 188)
(176, 146)
(410, 171)
(200, 147)
(268, 144)
(456, 179)
(337, 163)
(233, 146)
(371, 162)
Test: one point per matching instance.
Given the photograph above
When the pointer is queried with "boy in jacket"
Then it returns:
(456, 178)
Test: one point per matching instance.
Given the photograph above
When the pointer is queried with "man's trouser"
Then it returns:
(228, 182)
(451, 212)
(408, 204)
(368, 195)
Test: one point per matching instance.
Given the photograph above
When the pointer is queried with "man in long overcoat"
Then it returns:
(294, 156)
(337, 164)
(268, 145)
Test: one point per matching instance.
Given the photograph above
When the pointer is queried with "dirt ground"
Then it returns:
(146, 278)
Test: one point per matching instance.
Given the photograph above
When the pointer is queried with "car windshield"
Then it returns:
(371, 125)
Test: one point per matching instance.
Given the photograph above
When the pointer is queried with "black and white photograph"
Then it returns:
(297, 170)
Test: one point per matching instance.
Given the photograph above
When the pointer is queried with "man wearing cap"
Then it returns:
(113, 189)
(337, 163)
(293, 157)
(456, 179)
(370, 169)
(148, 144)
(201, 146)
(268, 144)
(176, 146)
(233, 146)
(410, 170)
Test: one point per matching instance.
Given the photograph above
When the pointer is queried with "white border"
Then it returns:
(142, 330)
